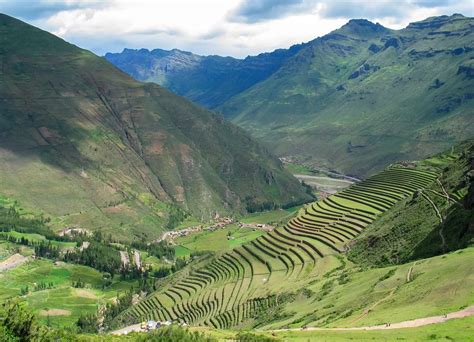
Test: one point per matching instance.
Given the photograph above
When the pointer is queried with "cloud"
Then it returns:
(252, 11)
(395, 12)
(32, 10)
(433, 3)
(237, 28)
(367, 9)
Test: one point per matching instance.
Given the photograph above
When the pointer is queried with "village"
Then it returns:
(170, 236)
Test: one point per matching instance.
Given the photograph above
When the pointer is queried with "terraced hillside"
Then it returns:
(250, 279)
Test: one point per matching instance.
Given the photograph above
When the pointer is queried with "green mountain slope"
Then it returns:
(354, 100)
(299, 273)
(413, 229)
(83, 142)
(364, 96)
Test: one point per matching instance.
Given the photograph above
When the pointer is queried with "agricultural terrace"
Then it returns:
(243, 282)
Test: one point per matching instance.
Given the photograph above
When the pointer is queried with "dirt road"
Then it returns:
(14, 261)
(469, 311)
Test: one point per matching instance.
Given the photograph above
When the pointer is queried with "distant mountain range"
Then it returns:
(84, 143)
(353, 100)
(207, 80)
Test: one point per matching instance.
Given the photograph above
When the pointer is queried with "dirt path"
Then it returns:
(124, 258)
(14, 261)
(419, 322)
(469, 311)
(410, 272)
(335, 180)
(441, 220)
(126, 330)
(367, 311)
(136, 256)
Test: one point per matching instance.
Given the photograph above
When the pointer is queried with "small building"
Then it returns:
(151, 325)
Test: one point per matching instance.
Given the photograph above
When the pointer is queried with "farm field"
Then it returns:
(215, 241)
(232, 235)
(62, 304)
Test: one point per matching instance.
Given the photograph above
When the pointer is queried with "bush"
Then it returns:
(173, 334)
(249, 337)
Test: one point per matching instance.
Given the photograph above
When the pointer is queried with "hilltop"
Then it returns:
(86, 145)
(354, 100)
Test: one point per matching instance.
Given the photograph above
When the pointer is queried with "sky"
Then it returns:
(223, 27)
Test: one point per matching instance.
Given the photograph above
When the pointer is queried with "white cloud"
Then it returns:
(226, 27)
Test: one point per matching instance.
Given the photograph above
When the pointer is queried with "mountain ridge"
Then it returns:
(83, 141)
(327, 105)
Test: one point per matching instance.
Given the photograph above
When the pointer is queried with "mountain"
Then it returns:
(84, 143)
(382, 243)
(364, 95)
(207, 80)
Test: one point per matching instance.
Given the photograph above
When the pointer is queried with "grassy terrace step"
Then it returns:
(249, 309)
(395, 197)
(361, 200)
(384, 190)
(334, 202)
(312, 235)
(373, 199)
(352, 215)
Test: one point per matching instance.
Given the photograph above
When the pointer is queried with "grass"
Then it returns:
(217, 240)
(273, 216)
(84, 172)
(39, 238)
(440, 285)
(62, 296)
(453, 330)
(303, 265)
(385, 131)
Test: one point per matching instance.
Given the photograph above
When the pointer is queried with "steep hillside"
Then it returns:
(299, 274)
(83, 142)
(364, 96)
(354, 100)
(207, 80)
(434, 221)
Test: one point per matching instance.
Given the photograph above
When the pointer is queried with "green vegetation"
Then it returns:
(18, 324)
(129, 159)
(265, 275)
(356, 128)
(217, 240)
(412, 229)
(354, 100)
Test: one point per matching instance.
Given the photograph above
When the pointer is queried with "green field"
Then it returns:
(219, 240)
(62, 296)
(270, 217)
(452, 330)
